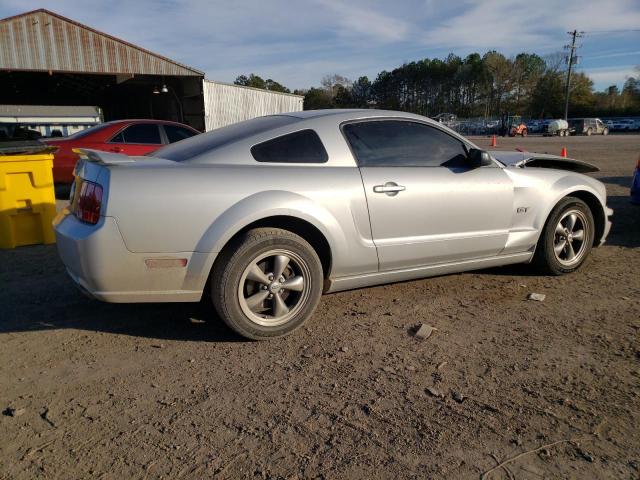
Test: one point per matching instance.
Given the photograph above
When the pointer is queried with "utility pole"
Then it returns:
(571, 59)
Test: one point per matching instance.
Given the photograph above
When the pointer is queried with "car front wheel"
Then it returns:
(567, 237)
(267, 283)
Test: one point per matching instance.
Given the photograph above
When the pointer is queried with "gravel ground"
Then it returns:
(92, 390)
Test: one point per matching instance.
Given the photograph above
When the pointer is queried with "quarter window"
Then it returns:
(396, 143)
(300, 147)
(140, 133)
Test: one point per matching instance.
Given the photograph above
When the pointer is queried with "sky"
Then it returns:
(297, 43)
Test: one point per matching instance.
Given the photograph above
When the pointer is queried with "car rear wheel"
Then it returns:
(267, 283)
(567, 237)
(588, 132)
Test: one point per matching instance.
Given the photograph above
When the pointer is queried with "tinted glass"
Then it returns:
(175, 133)
(140, 133)
(300, 147)
(119, 138)
(207, 142)
(393, 143)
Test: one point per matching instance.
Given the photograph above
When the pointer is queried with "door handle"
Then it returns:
(390, 188)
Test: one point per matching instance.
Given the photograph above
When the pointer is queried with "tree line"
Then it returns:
(474, 86)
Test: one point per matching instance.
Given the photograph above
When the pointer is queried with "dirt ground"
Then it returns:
(92, 390)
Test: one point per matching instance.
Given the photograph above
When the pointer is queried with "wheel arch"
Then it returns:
(595, 206)
(278, 209)
(596, 210)
(300, 227)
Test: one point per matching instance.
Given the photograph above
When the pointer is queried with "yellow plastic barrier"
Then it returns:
(27, 199)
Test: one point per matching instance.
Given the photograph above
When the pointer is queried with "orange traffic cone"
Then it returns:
(494, 143)
(563, 152)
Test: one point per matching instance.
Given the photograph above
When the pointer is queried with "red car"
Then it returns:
(132, 137)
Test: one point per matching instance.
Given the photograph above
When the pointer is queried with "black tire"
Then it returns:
(588, 133)
(545, 259)
(605, 131)
(230, 270)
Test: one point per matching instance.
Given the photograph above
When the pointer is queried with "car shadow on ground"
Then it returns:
(168, 321)
(182, 322)
(37, 295)
(625, 229)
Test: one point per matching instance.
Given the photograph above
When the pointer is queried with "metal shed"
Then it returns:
(49, 59)
(226, 104)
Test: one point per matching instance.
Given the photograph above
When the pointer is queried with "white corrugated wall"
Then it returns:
(225, 104)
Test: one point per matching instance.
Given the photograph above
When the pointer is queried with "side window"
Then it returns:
(140, 133)
(299, 147)
(119, 138)
(395, 143)
(175, 133)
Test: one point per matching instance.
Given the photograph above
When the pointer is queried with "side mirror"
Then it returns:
(479, 158)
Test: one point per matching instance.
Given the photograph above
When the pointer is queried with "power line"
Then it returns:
(613, 31)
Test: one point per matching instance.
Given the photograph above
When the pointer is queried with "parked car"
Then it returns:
(587, 126)
(635, 185)
(624, 125)
(132, 137)
(534, 126)
(264, 216)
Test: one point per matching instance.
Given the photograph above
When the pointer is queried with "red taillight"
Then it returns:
(89, 202)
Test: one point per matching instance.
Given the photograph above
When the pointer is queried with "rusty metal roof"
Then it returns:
(42, 40)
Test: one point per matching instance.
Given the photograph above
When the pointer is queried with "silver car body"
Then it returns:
(442, 222)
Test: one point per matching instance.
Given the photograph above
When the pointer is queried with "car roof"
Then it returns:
(340, 115)
(243, 135)
(325, 112)
(353, 113)
(144, 120)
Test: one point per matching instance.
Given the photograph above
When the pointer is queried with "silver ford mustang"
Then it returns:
(264, 216)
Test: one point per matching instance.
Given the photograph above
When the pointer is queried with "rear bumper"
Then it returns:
(99, 262)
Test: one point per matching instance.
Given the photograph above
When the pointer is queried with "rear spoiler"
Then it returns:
(103, 158)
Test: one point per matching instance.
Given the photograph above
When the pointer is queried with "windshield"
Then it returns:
(206, 142)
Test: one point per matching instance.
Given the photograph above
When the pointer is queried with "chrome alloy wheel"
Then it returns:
(569, 243)
(274, 287)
